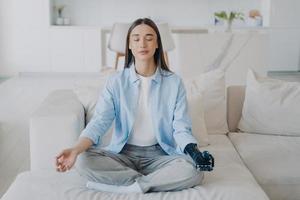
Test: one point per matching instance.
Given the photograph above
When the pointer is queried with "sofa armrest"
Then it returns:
(55, 125)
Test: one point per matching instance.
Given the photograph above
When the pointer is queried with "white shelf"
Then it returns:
(174, 29)
(106, 12)
(65, 27)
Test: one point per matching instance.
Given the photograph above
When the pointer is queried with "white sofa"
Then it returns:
(57, 123)
(248, 165)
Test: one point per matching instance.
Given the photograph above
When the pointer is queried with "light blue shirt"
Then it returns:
(119, 100)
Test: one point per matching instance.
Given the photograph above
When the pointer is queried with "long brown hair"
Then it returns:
(159, 58)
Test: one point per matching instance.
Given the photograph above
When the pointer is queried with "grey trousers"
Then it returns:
(151, 167)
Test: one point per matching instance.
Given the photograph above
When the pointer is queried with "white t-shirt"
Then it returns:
(143, 133)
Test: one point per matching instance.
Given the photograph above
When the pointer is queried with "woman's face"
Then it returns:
(143, 42)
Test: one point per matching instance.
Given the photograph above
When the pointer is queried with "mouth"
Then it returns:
(143, 52)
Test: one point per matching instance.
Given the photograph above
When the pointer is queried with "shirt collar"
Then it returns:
(134, 77)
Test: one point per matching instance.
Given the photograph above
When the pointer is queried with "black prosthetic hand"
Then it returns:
(204, 161)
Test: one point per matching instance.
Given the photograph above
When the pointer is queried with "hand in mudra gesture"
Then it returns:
(66, 159)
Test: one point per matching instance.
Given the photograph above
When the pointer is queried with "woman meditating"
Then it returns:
(152, 146)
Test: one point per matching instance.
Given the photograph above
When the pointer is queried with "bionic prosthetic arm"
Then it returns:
(204, 160)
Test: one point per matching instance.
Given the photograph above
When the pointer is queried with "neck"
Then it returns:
(145, 68)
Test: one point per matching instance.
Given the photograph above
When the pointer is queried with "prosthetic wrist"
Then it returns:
(204, 161)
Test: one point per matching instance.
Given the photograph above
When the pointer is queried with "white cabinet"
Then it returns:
(74, 49)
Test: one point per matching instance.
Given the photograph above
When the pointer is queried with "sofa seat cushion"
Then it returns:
(230, 180)
(273, 160)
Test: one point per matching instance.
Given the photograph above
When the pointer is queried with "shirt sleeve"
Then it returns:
(182, 125)
(103, 116)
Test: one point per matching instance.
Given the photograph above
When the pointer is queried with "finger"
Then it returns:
(64, 168)
(58, 158)
(57, 161)
(58, 168)
(60, 154)
(70, 163)
(66, 165)
(62, 161)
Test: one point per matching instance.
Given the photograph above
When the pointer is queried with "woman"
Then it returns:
(152, 137)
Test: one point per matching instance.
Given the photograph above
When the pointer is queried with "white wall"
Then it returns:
(75, 49)
(24, 36)
(1, 32)
(285, 13)
(284, 49)
(285, 34)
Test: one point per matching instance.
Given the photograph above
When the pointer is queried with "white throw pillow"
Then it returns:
(212, 87)
(271, 106)
(196, 112)
(88, 96)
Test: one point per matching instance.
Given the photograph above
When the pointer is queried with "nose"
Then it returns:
(142, 43)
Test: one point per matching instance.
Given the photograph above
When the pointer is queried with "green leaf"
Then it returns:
(229, 17)
(221, 15)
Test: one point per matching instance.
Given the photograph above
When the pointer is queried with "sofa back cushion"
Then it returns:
(271, 106)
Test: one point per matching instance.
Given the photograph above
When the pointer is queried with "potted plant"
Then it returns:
(59, 9)
(229, 17)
